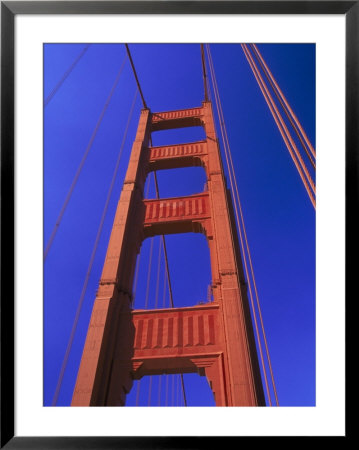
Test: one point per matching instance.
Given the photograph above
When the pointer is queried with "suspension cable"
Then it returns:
(139, 256)
(283, 130)
(247, 245)
(163, 305)
(205, 83)
(65, 75)
(221, 123)
(92, 258)
(156, 304)
(150, 259)
(286, 103)
(136, 77)
(231, 231)
(288, 135)
(136, 280)
(135, 289)
(157, 195)
(164, 249)
(79, 169)
(149, 273)
(164, 293)
(169, 280)
(298, 131)
(158, 272)
(246, 240)
(146, 301)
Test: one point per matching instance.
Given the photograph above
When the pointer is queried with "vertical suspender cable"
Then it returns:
(169, 282)
(232, 236)
(65, 75)
(149, 264)
(156, 305)
(135, 280)
(158, 272)
(138, 258)
(178, 391)
(147, 291)
(149, 274)
(164, 293)
(157, 194)
(163, 306)
(165, 249)
(84, 288)
(79, 169)
(247, 247)
(231, 168)
(139, 381)
(221, 122)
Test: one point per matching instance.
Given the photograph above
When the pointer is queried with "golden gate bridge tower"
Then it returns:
(214, 339)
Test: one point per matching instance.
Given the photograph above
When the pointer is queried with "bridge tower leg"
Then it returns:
(215, 339)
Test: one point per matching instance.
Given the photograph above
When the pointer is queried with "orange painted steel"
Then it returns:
(237, 205)
(92, 258)
(177, 119)
(214, 339)
(241, 226)
(184, 340)
(176, 156)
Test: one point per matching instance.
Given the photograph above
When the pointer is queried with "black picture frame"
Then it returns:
(9, 9)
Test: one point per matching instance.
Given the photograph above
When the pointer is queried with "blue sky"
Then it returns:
(280, 220)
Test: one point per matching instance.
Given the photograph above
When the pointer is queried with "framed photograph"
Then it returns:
(121, 277)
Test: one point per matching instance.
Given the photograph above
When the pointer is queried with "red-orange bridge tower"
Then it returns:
(214, 339)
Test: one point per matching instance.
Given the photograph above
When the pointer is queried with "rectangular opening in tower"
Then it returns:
(178, 135)
(168, 390)
(188, 267)
(177, 182)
